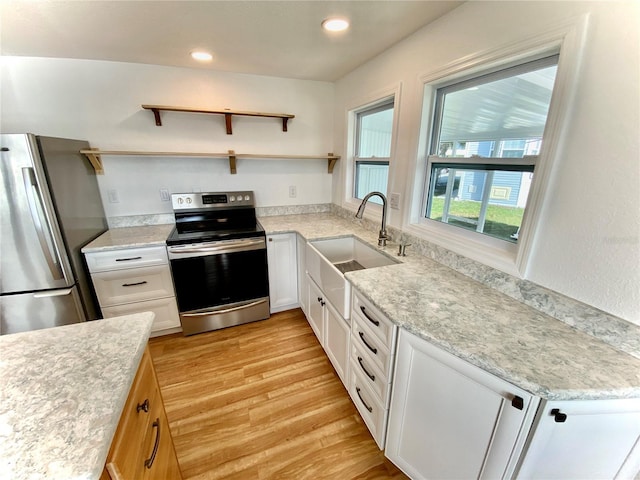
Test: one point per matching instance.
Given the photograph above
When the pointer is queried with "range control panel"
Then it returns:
(184, 201)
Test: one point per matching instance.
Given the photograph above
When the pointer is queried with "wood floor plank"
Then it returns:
(262, 401)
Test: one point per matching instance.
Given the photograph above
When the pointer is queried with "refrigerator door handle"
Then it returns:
(30, 186)
(53, 293)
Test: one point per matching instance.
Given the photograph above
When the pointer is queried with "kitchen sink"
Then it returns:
(329, 260)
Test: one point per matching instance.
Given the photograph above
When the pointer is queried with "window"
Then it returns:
(487, 134)
(374, 127)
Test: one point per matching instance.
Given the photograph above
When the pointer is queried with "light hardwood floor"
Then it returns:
(262, 401)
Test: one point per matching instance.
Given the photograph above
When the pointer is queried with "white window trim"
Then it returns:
(568, 38)
(379, 96)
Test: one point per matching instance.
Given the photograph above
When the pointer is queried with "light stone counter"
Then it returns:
(479, 324)
(130, 237)
(63, 391)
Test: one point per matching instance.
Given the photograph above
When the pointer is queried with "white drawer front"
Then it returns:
(371, 374)
(379, 323)
(165, 309)
(133, 285)
(371, 345)
(371, 411)
(126, 258)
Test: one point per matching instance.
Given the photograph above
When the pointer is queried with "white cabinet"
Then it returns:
(584, 439)
(134, 280)
(330, 328)
(315, 306)
(373, 341)
(283, 271)
(450, 420)
(301, 252)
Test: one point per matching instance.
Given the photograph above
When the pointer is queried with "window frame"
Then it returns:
(567, 39)
(385, 103)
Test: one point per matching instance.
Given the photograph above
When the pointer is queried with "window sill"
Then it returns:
(480, 248)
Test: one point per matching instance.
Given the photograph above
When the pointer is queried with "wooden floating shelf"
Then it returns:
(228, 114)
(94, 156)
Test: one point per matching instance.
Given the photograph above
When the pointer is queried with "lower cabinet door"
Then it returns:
(315, 307)
(451, 420)
(142, 447)
(585, 439)
(336, 341)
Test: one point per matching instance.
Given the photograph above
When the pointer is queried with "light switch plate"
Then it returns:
(394, 201)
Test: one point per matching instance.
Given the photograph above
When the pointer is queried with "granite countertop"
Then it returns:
(62, 395)
(487, 328)
(129, 237)
(481, 325)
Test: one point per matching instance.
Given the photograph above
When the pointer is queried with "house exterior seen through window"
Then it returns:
(374, 128)
(487, 135)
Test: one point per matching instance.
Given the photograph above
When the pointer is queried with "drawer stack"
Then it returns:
(135, 280)
(373, 340)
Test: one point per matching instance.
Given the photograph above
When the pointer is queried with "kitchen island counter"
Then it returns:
(63, 392)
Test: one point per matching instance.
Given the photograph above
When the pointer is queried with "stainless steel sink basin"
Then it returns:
(329, 260)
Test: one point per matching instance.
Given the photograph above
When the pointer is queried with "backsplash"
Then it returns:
(613, 330)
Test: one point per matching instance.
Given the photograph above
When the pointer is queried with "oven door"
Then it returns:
(220, 284)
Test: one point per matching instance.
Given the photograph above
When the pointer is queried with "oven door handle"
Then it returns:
(225, 310)
(205, 249)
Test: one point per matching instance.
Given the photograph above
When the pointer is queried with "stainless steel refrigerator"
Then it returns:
(50, 207)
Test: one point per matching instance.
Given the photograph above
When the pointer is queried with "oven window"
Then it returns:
(214, 280)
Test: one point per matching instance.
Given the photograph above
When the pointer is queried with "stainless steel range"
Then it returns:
(218, 257)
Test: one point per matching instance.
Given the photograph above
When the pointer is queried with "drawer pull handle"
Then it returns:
(149, 462)
(372, 320)
(128, 259)
(374, 350)
(144, 406)
(134, 284)
(370, 409)
(372, 377)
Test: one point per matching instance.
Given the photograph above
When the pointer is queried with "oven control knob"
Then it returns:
(189, 200)
(232, 198)
(180, 200)
(247, 198)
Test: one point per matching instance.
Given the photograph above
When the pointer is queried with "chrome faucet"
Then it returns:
(382, 235)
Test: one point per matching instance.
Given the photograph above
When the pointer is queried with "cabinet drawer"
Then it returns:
(371, 374)
(371, 345)
(379, 324)
(126, 258)
(165, 309)
(370, 408)
(133, 285)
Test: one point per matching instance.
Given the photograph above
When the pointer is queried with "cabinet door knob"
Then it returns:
(319, 299)
(517, 402)
(144, 406)
(323, 303)
(558, 416)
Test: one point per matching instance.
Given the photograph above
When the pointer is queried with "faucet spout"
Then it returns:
(382, 234)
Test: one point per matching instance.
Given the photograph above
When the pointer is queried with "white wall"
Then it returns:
(588, 246)
(100, 102)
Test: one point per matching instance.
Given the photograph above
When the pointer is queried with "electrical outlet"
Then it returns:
(394, 201)
(164, 195)
(112, 194)
(293, 191)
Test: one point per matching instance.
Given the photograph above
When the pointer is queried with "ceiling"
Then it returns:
(276, 38)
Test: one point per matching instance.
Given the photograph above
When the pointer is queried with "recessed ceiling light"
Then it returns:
(335, 24)
(201, 56)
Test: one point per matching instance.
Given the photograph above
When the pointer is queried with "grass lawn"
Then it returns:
(501, 221)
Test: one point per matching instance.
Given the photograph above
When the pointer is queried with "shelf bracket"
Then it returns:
(156, 115)
(227, 121)
(232, 162)
(94, 158)
(331, 163)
